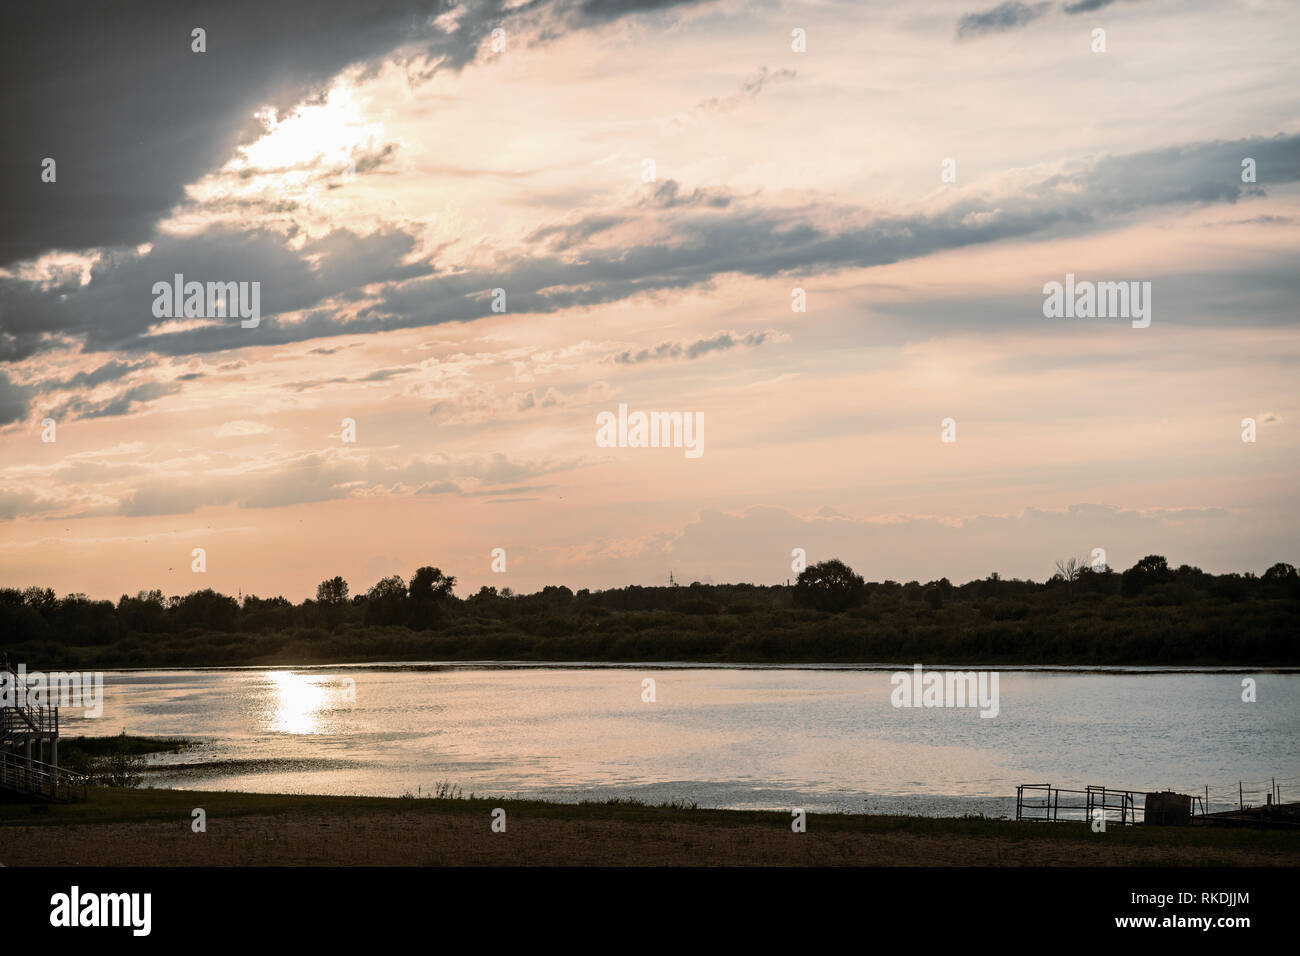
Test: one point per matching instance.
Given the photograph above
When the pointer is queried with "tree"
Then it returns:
(430, 584)
(1069, 570)
(430, 590)
(333, 591)
(207, 609)
(385, 601)
(1279, 574)
(332, 596)
(1153, 569)
(41, 600)
(829, 586)
(143, 613)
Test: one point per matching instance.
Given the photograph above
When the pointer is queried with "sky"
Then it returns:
(823, 229)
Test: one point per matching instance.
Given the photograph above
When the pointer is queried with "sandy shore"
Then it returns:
(153, 828)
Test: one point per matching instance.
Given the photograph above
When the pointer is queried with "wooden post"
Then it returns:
(1241, 804)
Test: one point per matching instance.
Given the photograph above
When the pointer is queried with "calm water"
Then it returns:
(825, 739)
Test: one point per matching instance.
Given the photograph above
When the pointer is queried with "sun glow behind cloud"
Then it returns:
(301, 173)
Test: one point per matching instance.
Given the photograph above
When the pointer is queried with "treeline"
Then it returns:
(1148, 614)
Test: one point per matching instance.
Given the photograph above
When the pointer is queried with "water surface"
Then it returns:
(825, 739)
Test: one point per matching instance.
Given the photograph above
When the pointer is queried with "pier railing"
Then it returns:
(41, 779)
(21, 720)
(1042, 802)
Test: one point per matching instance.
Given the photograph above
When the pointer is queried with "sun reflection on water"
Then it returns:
(299, 700)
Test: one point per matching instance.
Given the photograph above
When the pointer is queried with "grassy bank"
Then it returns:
(122, 827)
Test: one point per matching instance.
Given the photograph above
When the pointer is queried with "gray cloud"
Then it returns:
(108, 372)
(120, 404)
(114, 311)
(1005, 16)
(1086, 6)
(705, 240)
(116, 97)
(749, 89)
(606, 10)
(666, 351)
(1013, 15)
(669, 195)
(14, 399)
(323, 476)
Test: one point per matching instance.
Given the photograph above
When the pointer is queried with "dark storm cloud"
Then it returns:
(114, 94)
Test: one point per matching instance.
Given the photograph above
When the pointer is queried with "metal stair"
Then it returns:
(22, 725)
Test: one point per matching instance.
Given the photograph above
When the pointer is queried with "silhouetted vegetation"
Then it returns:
(117, 761)
(1149, 614)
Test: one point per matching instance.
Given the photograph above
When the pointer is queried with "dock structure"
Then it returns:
(1046, 803)
(23, 728)
(1042, 802)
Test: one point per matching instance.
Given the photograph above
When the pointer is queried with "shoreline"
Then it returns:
(154, 827)
(432, 666)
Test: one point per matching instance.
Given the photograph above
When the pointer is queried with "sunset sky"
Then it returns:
(380, 169)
